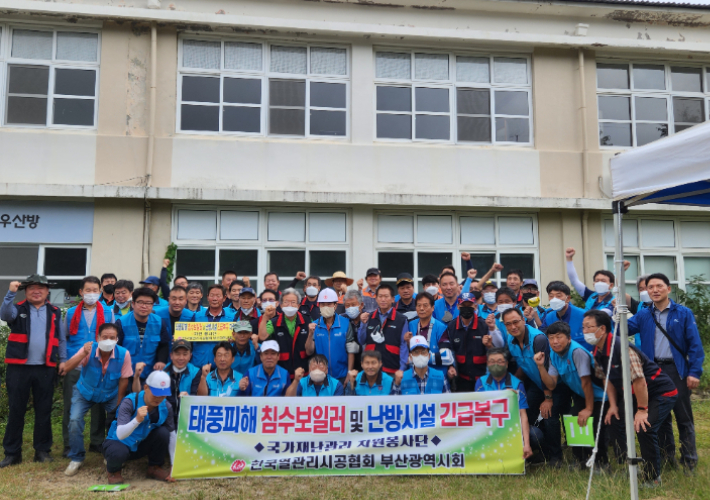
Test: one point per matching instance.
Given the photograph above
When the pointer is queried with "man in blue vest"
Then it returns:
(601, 297)
(195, 293)
(82, 327)
(176, 311)
(446, 308)
(122, 291)
(157, 285)
(267, 378)
(669, 336)
(245, 345)
(108, 280)
(531, 292)
(432, 330)
(498, 379)
(144, 334)
(318, 383)
(489, 299)
(561, 310)
(106, 368)
(371, 381)
(202, 352)
(420, 379)
(223, 381)
(574, 365)
(143, 424)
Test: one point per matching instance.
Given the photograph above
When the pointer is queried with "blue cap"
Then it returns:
(467, 297)
(151, 280)
(247, 290)
(528, 283)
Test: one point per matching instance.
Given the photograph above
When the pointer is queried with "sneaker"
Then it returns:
(73, 468)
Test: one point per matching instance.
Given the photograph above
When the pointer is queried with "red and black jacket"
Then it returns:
(310, 309)
(19, 338)
(403, 308)
(467, 347)
(658, 383)
(391, 330)
(292, 350)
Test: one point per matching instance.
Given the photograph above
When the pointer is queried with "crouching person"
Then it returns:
(498, 379)
(318, 383)
(223, 381)
(103, 381)
(371, 381)
(142, 427)
(420, 379)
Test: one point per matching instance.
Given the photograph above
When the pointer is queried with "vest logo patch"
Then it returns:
(280, 334)
(457, 340)
(23, 315)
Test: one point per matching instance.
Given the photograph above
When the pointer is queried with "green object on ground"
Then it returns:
(576, 435)
(109, 487)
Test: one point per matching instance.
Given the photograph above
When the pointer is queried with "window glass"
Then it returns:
(60, 261)
(431, 66)
(18, 261)
(472, 69)
(687, 79)
(195, 263)
(665, 265)
(325, 262)
(391, 264)
(524, 262)
(243, 262)
(612, 76)
(242, 56)
(287, 262)
(432, 262)
(649, 77)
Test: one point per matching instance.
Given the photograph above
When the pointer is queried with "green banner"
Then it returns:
(464, 433)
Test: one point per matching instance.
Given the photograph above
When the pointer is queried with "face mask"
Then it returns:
(311, 291)
(504, 307)
(179, 370)
(557, 304)
(107, 345)
(123, 305)
(528, 296)
(264, 305)
(317, 376)
(645, 297)
(247, 311)
(420, 361)
(433, 291)
(591, 339)
(91, 298)
(327, 311)
(109, 289)
(497, 370)
(352, 312)
(601, 288)
(290, 311)
(489, 297)
(466, 312)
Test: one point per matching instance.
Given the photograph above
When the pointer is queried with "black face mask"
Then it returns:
(466, 312)
(109, 289)
(528, 296)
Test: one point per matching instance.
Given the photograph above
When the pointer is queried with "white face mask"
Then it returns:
(247, 311)
(91, 298)
(107, 345)
(352, 312)
(289, 311)
(123, 305)
(420, 361)
(179, 370)
(504, 307)
(317, 376)
(645, 297)
(433, 291)
(557, 304)
(489, 297)
(591, 338)
(311, 291)
(327, 311)
(601, 287)
(266, 304)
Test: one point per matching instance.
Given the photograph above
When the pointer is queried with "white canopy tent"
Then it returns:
(675, 171)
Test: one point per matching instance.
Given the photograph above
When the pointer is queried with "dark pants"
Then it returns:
(684, 419)
(98, 415)
(582, 453)
(463, 385)
(155, 445)
(551, 444)
(21, 379)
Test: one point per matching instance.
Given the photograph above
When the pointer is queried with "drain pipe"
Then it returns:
(151, 148)
(583, 109)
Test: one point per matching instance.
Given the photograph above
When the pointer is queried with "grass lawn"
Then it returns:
(31, 480)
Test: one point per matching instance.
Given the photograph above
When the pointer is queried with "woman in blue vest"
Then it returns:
(371, 381)
(420, 379)
(143, 424)
(561, 310)
(318, 383)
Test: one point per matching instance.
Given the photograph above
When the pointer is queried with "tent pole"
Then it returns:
(621, 306)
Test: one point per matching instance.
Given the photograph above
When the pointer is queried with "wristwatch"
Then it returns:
(548, 397)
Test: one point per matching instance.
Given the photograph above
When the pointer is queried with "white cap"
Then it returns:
(418, 341)
(159, 383)
(270, 345)
(327, 295)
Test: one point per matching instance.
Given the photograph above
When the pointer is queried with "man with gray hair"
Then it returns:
(354, 305)
(195, 292)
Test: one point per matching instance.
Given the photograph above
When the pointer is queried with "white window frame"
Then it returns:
(456, 247)
(265, 75)
(262, 244)
(668, 94)
(453, 85)
(7, 60)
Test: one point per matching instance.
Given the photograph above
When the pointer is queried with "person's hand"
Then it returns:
(692, 382)
(627, 264)
(539, 358)
(364, 317)
(311, 329)
(451, 372)
(471, 273)
(139, 368)
(158, 366)
(569, 253)
(206, 369)
(270, 312)
(487, 341)
(166, 262)
(613, 411)
(528, 312)
(407, 337)
(353, 375)
(184, 393)
(360, 284)
(299, 373)
(61, 369)
(343, 287)
(465, 256)
(87, 348)
(247, 283)
(142, 412)
(398, 377)
(583, 416)
(255, 341)
(497, 267)
(546, 408)
(641, 421)
(244, 383)
(527, 452)
(14, 286)
(491, 321)
(301, 275)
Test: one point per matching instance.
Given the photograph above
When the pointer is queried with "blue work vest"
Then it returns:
(146, 351)
(223, 388)
(243, 362)
(488, 383)
(309, 390)
(144, 428)
(440, 308)
(96, 386)
(164, 313)
(434, 383)
(191, 371)
(382, 388)
(591, 302)
(436, 331)
(331, 344)
(575, 324)
(567, 370)
(524, 357)
(262, 386)
(202, 351)
(85, 333)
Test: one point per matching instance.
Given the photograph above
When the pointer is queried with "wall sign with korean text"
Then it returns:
(46, 222)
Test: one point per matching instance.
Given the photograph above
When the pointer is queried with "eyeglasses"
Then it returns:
(143, 303)
(512, 323)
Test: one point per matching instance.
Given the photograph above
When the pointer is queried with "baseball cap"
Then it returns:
(530, 283)
(327, 295)
(467, 297)
(182, 343)
(373, 270)
(418, 341)
(404, 278)
(159, 383)
(488, 283)
(151, 280)
(270, 345)
(247, 290)
(242, 326)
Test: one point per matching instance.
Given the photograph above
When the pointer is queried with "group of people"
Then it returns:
(121, 359)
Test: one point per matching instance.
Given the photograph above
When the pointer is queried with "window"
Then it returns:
(424, 96)
(422, 244)
(253, 241)
(640, 103)
(675, 247)
(255, 88)
(52, 78)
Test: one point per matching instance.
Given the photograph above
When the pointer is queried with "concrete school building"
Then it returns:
(292, 135)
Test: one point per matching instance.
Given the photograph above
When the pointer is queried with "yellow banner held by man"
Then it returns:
(203, 332)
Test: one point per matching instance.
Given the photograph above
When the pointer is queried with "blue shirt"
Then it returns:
(228, 387)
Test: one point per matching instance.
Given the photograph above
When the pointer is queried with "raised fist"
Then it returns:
(206, 369)
(300, 276)
(87, 348)
(166, 262)
(360, 284)
(299, 373)
(569, 253)
(465, 256)
(142, 412)
(364, 317)
(472, 273)
(539, 358)
(487, 341)
(497, 267)
(311, 328)
(14, 286)
(244, 383)
(398, 377)
(140, 366)
(491, 321)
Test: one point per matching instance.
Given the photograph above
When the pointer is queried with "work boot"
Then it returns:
(115, 477)
(95, 448)
(43, 457)
(157, 472)
(11, 460)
